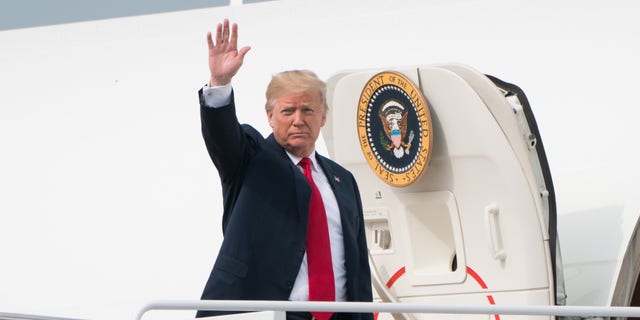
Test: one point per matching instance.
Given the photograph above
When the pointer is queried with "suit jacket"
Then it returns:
(266, 206)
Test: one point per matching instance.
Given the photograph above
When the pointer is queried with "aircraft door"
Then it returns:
(456, 205)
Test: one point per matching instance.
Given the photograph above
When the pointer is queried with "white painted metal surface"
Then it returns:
(473, 227)
(104, 180)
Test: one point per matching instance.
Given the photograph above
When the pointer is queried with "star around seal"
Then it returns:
(394, 128)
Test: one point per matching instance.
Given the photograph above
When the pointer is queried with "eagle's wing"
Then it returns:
(403, 124)
(387, 130)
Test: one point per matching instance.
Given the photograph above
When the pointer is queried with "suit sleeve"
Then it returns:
(228, 143)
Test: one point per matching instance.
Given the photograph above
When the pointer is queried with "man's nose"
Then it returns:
(298, 118)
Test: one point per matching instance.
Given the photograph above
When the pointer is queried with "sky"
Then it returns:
(16, 14)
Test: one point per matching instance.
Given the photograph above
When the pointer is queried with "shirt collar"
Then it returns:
(296, 159)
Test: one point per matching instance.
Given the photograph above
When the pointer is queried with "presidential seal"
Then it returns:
(394, 128)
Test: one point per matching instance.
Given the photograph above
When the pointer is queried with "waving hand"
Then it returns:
(224, 58)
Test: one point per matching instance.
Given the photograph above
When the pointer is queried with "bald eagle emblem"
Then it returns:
(394, 121)
(394, 128)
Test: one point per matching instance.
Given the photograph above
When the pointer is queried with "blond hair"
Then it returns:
(295, 81)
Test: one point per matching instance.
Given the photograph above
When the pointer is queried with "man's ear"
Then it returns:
(270, 117)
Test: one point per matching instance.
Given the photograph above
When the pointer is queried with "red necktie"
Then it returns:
(321, 282)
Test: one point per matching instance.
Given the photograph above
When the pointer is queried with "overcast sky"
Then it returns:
(15, 14)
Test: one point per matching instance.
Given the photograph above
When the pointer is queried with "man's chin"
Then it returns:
(298, 142)
(299, 149)
(299, 136)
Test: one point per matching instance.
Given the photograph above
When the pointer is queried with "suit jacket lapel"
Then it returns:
(328, 171)
(343, 189)
(302, 188)
(337, 184)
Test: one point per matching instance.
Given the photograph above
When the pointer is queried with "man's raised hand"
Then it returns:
(224, 58)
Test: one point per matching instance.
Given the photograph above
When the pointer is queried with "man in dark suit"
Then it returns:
(293, 223)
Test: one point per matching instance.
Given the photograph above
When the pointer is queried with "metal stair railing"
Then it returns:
(369, 307)
(20, 316)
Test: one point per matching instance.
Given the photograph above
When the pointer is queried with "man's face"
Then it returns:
(296, 119)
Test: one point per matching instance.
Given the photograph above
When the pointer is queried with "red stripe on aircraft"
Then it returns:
(470, 272)
(483, 285)
(395, 277)
(477, 277)
(390, 283)
(492, 302)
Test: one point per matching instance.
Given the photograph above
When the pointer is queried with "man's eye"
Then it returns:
(307, 110)
(287, 112)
